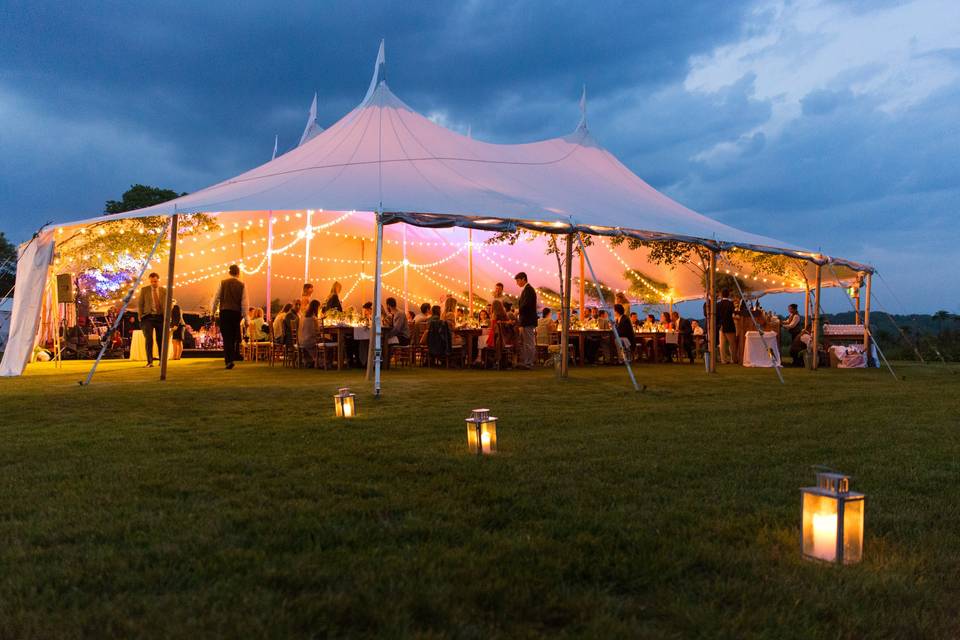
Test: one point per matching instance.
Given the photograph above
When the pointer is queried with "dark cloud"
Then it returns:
(94, 97)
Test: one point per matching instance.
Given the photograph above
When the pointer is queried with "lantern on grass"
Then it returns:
(482, 432)
(345, 403)
(832, 520)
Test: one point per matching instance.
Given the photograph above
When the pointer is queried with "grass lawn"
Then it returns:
(232, 504)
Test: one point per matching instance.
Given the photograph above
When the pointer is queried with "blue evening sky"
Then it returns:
(830, 124)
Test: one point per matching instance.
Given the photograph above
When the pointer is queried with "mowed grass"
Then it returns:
(232, 504)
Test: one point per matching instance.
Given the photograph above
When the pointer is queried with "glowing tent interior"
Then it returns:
(314, 213)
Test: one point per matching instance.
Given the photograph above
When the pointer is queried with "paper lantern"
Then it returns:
(832, 520)
(345, 403)
(482, 432)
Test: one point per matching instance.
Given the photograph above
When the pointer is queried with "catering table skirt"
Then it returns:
(755, 353)
(138, 347)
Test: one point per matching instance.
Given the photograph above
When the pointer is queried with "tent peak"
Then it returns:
(583, 109)
(379, 73)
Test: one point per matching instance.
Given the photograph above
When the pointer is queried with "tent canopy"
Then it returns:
(384, 158)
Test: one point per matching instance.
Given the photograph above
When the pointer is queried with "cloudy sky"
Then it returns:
(830, 124)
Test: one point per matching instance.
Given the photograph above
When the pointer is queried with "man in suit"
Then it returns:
(150, 308)
(624, 330)
(231, 298)
(527, 321)
(728, 328)
(685, 332)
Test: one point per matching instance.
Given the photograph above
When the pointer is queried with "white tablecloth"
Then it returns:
(755, 354)
(138, 347)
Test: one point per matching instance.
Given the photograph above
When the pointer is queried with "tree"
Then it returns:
(107, 256)
(553, 247)
(139, 196)
(8, 264)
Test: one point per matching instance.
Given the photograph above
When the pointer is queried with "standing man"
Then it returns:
(150, 307)
(231, 298)
(794, 325)
(527, 321)
(728, 328)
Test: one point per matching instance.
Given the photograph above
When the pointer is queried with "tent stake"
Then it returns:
(168, 305)
(603, 303)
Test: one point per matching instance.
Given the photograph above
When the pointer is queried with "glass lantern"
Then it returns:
(345, 403)
(482, 432)
(832, 520)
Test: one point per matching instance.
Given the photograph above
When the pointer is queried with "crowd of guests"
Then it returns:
(299, 324)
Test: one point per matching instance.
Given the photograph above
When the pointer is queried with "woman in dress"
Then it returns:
(450, 316)
(177, 328)
(333, 299)
(309, 331)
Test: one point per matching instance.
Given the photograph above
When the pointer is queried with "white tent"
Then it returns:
(315, 213)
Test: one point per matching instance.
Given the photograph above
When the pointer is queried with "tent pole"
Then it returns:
(866, 320)
(307, 233)
(856, 311)
(565, 310)
(406, 295)
(712, 312)
(269, 265)
(616, 334)
(816, 319)
(55, 313)
(581, 284)
(168, 306)
(470, 272)
(806, 304)
(373, 363)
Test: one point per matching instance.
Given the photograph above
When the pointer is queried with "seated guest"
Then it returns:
(332, 303)
(397, 326)
(625, 329)
(483, 318)
(309, 332)
(438, 338)
(650, 324)
(635, 321)
(697, 329)
(603, 320)
(685, 329)
(411, 316)
(545, 327)
(424, 315)
(666, 321)
(257, 328)
(500, 317)
(508, 307)
(306, 295)
(278, 322)
(291, 324)
(450, 317)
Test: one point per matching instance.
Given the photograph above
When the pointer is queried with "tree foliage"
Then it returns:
(106, 256)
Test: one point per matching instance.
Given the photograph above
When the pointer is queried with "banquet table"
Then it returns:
(469, 334)
(138, 347)
(754, 352)
(581, 336)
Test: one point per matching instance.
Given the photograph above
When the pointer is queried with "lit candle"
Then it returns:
(825, 536)
(485, 441)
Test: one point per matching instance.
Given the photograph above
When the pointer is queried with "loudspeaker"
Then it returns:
(64, 287)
